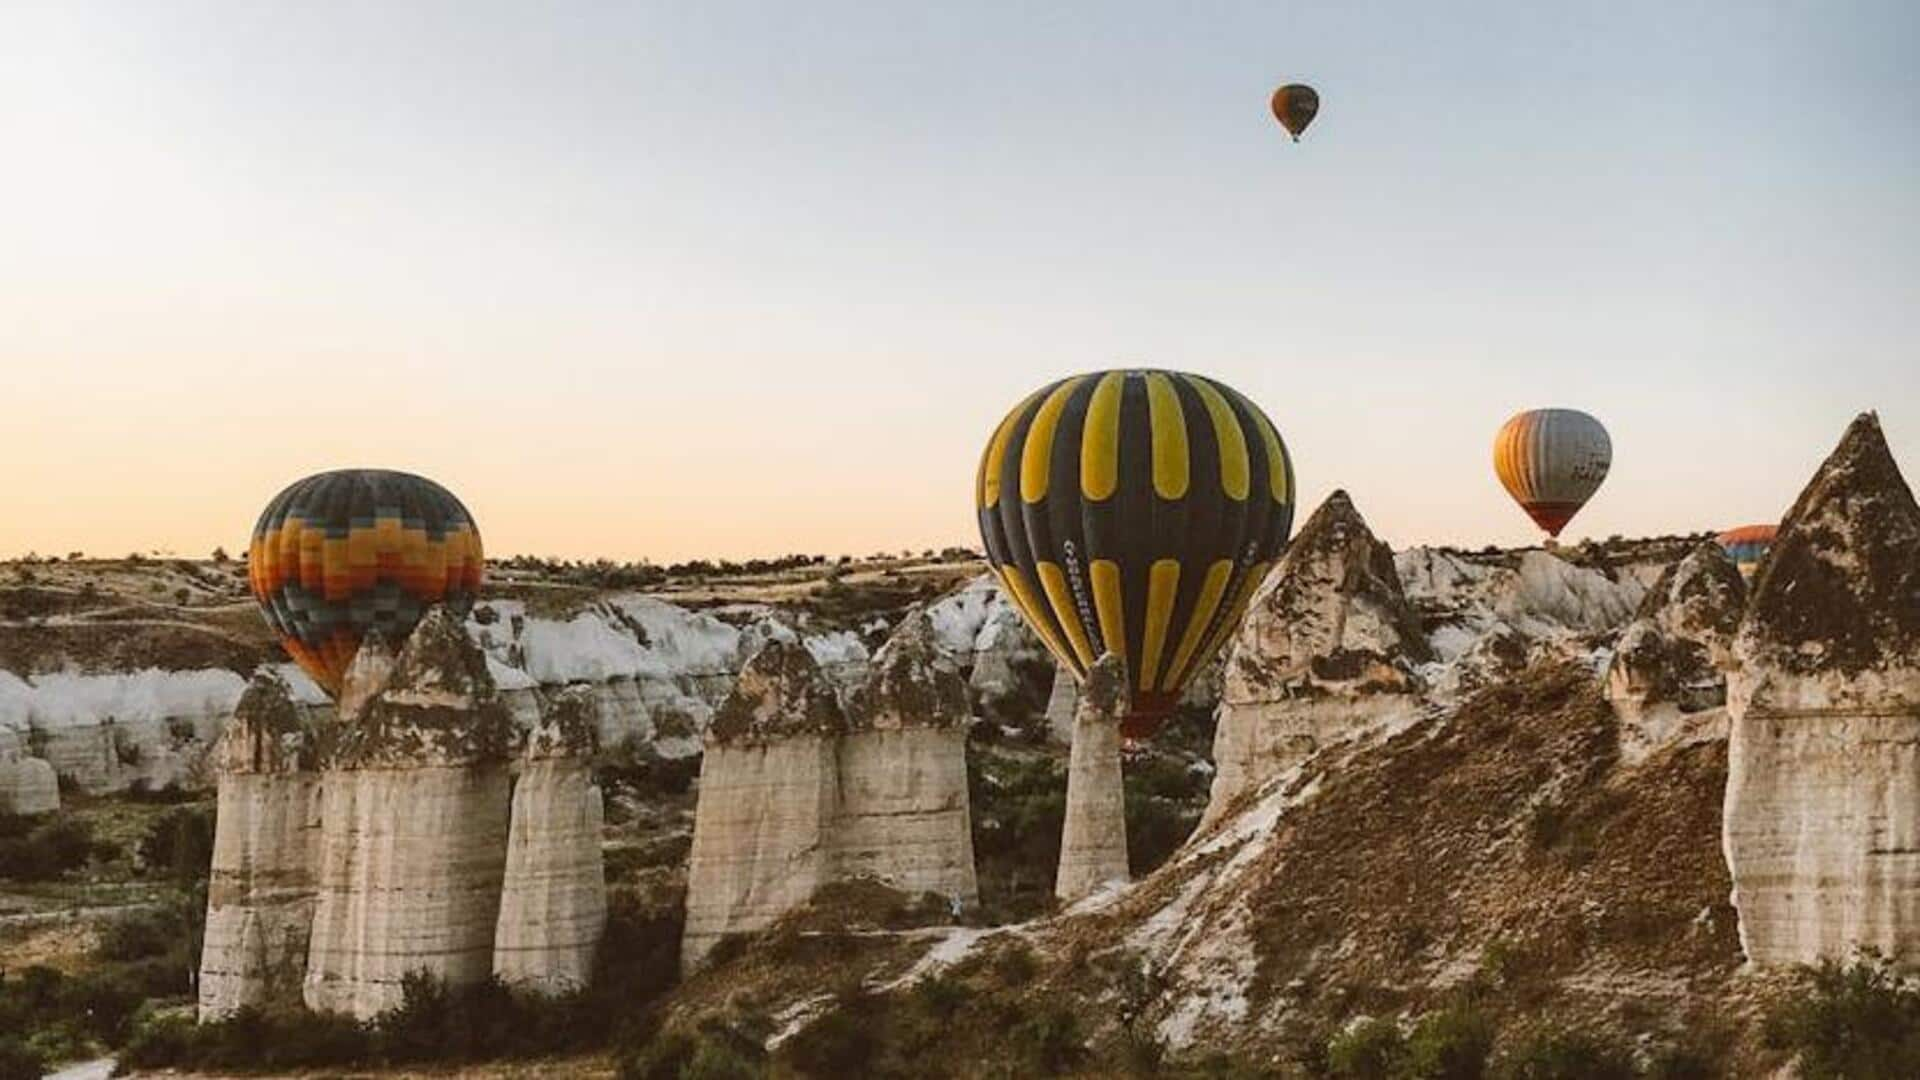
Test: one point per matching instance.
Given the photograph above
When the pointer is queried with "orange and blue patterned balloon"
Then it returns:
(342, 553)
(1747, 545)
(1134, 512)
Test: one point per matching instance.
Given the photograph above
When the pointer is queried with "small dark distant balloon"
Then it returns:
(1295, 106)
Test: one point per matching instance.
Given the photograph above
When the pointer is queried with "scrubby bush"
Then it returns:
(1452, 1044)
(42, 848)
(1564, 1055)
(179, 844)
(1859, 1021)
(18, 1061)
(1373, 1049)
(714, 1049)
(840, 1042)
(1047, 1042)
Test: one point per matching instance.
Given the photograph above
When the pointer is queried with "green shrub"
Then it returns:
(1452, 1044)
(179, 844)
(1564, 1055)
(43, 848)
(1859, 1021)
(1048, 1041)
(841, 1042)
(18, 1061)
(714, 1050)
(1373, 1049)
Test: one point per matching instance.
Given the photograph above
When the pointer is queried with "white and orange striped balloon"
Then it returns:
(1552, 461)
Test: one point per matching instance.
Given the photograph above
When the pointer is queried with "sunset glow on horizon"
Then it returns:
(720, 281)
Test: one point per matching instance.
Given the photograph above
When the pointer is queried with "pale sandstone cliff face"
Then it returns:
(1329, 647)
(414, 838)
(108, 732)
(768, 793)
(27, 783)
(1093, 836)
(553, 902)
(1668, 680)
(1822, 815)
(902, 816)
(261, 891)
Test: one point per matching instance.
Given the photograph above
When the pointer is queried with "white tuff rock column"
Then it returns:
(1822, 818)
(1328, 649)
(553, 904)
(414, 835)
(1093, 840)
(1667, 681)
(903, 816)
(769, 787)
(260, 893)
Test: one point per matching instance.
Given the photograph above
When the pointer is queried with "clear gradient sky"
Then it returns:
(727, 279)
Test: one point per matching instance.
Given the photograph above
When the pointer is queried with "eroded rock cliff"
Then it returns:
(1822, 820)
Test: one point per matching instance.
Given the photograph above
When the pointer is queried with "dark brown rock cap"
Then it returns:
(1840, 589)
(1681, 636)
(439, 705)
(568, 727)
(909, 684)
(780, 693)
(269, 732)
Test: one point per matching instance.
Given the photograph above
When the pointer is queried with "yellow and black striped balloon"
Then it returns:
(1134, 512)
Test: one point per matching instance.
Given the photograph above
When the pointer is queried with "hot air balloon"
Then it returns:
(1134, 512)
(1747, 545)
(340, 553)
(1295, 105)
(1552, 461)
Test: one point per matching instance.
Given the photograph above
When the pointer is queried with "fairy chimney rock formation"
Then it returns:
(553, 903)
(1822, 817)
(1329, 647)
(1668, 680)
(414, 836)
(260, 893)
(903, 814)
(1093, 838)
(768, 785)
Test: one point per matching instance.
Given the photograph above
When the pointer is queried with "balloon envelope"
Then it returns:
(1552, 461)
(1134, 512)
(1747, 545)
(340, 553)
(1295, 105)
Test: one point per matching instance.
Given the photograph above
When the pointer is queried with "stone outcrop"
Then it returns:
(1093, 837)
(655, 671)
(797, 792)
(768, 789)
(1667, 680)
(1822, 814)
(902, 816)
(28, 786)
(1330, 646)
(553, 902)
(414, 837)
(106, 733)
(261, 890)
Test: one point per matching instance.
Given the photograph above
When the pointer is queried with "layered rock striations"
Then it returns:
(261, 889)
(1822, 813)
(902, 815)
(1667, 680)
(109, 732)
(415, 819)
(553, 900)
(1093, 834)
(768, 791)
(1330, 646)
